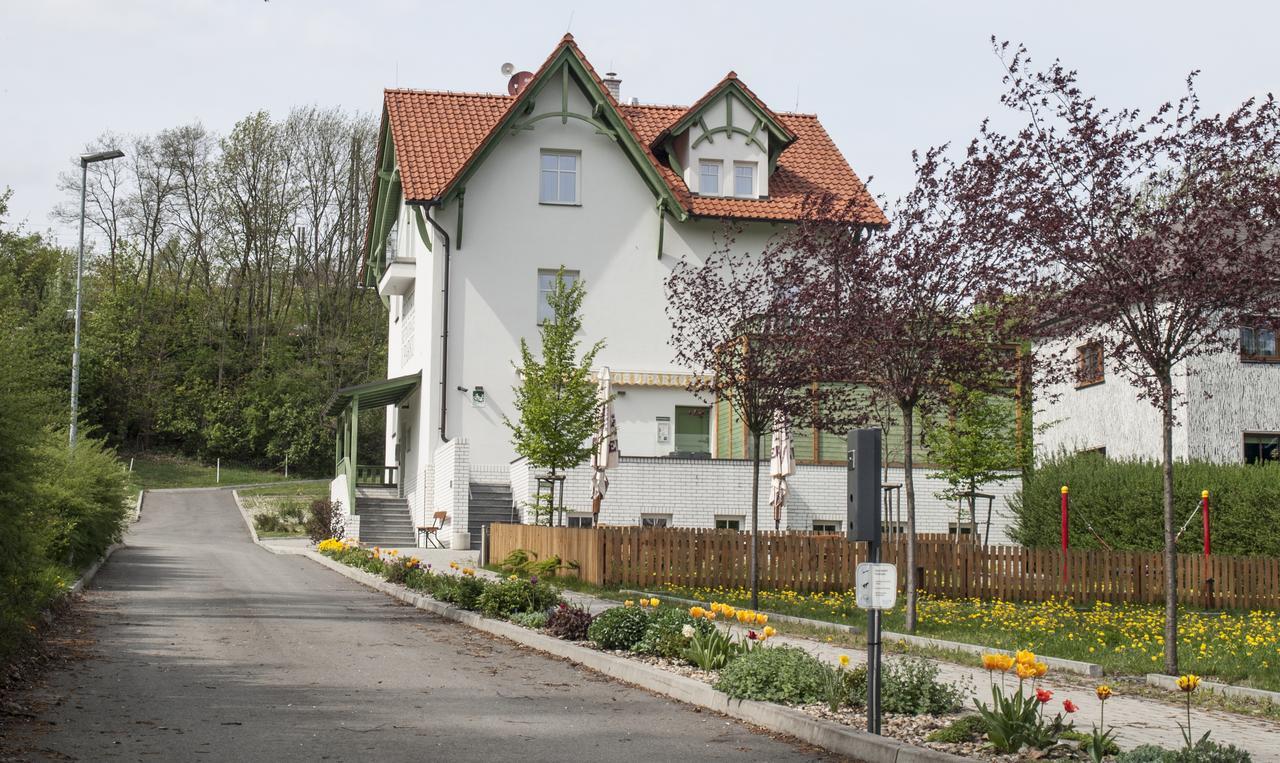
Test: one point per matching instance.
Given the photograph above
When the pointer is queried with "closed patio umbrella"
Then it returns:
(782, 464)
(606, 453)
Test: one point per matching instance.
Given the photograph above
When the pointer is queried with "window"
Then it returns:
(1101, 450)
(1258, 344)
(728, 523)
(744, 179)
(961, 528)
(578, 520)
(391, 246)
(559, 178)
(655, 520)
(1261, 448)
(693, 429)
(709, 177)
(1089, 368)
(546, 285)
(826, 526)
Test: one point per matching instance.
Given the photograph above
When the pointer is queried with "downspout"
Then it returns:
(444, 323)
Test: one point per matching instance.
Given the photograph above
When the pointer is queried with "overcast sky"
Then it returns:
(884, 77)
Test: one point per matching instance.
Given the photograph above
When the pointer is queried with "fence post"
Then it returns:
(1208, 571)
(1064, 532)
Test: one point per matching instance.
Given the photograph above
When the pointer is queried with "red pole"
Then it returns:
(1064, 532)
(1204, 516)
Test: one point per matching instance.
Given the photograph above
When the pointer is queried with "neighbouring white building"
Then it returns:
(479, 200)
(1227, 414)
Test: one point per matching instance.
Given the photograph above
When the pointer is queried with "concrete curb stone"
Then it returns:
(1171, 682)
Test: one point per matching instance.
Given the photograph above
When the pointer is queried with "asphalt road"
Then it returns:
(210, 648)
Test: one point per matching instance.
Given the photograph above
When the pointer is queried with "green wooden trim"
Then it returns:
(372, 244)
(565, 116)
(662, 225)
(422, 227)
(610, 117)
(755, 129)
(462, 201)
(734, 89)
(730, 131)
(728, 111)
(564, 95)
(706, 133)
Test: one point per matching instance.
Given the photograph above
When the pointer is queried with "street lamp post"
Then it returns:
(85, 161)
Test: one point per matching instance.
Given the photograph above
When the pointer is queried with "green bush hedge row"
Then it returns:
(1119, 501)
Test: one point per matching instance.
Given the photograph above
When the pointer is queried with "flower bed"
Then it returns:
(699, 643)
(1126, 639)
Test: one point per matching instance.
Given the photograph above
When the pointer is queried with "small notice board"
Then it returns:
(877, 586)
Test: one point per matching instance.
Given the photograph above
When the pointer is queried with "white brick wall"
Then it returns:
(695, 491)
(338, 495)
(451, 478)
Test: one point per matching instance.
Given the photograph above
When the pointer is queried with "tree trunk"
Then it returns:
(755, 519)
(1170, 549)
(909, 487)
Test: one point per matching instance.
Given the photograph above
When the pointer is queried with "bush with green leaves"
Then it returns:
(507, 597)
(1204, 751)
(1120, 500)
(664, 635)
(910, 686)
(534, 620)
(619, 627)
(325, 520)
(569, 622)
(711, 649)
(781, 674)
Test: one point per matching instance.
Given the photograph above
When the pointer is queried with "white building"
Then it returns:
(1227, 410)
(479, 200)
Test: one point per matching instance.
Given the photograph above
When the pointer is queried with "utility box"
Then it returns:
(864, 486)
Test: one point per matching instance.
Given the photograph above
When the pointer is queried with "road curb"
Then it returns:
(1171, 682)
(87, 576)
(1090, 669)
(826, 734)
(245, 486)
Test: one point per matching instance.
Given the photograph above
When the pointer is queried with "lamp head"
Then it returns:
(101, 156)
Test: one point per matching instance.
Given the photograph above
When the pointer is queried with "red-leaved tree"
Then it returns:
(1158, 230)
(897, 317)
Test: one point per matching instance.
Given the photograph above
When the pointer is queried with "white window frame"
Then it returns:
(719, 166)
(751, 193)
(577, 177)
(655, 520)
(572, 276)
(579, 517)
(833, 523)
(741, 520)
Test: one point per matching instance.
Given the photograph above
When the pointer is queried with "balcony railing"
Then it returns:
(377, 475)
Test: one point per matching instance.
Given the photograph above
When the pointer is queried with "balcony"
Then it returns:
(398, 276)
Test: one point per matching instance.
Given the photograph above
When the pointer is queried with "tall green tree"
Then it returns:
(977, 445)
(557, 398)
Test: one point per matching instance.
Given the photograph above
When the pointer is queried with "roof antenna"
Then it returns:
(569, 26)
(797, 109)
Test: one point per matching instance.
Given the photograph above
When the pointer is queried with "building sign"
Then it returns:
(877, 586)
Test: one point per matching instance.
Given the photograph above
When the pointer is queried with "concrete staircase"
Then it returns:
(489, 503)
(384, 517)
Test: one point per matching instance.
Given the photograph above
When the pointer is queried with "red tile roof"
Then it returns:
(437, 134)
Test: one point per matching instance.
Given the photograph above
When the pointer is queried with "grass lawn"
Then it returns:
(1236, 647)
(162, 471)
(280, 511)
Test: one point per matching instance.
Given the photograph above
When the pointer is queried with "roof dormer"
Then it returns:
(727, 144)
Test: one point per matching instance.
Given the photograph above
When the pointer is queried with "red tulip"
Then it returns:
(1069, 706)
(1044, 695)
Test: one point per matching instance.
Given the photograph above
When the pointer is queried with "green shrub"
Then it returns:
(782, 674)
(569, 622)
(534, 620)
(510, 596)
(293, 512)
(966, 728)
(81, 499)
(1205, 751)
(664, 636)
(711, 649)
(1121, 500)
(269, 523)
(619, 627)
(911, 687)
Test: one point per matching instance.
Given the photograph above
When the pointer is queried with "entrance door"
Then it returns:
(693, 429)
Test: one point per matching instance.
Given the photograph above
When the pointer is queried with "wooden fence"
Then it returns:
(807, 562)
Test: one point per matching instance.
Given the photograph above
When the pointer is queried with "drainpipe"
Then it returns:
(444, 324)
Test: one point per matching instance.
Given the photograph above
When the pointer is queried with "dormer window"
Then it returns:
(709, 177)
(744, 180)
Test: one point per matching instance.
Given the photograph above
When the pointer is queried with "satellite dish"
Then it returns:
(508, 69)
(518, 81)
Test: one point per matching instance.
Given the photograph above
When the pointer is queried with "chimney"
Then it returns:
(614, 84)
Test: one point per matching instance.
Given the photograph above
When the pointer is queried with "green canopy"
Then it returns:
(374, 394)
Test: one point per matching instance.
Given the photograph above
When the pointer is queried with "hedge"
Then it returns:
(1119, 501)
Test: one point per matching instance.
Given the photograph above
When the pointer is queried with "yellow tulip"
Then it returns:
(844, 660)
(653, 602)
(628, 603)
(1103, 692)
(1189, 682)
(761, 618)
(1041, 669)
(697, 612)
(1024, 657)
(1025, 670)
(769, 631)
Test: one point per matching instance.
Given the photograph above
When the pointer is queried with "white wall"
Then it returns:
(695, 491)
(611, 238)
(637, 410)
(1241, 397)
